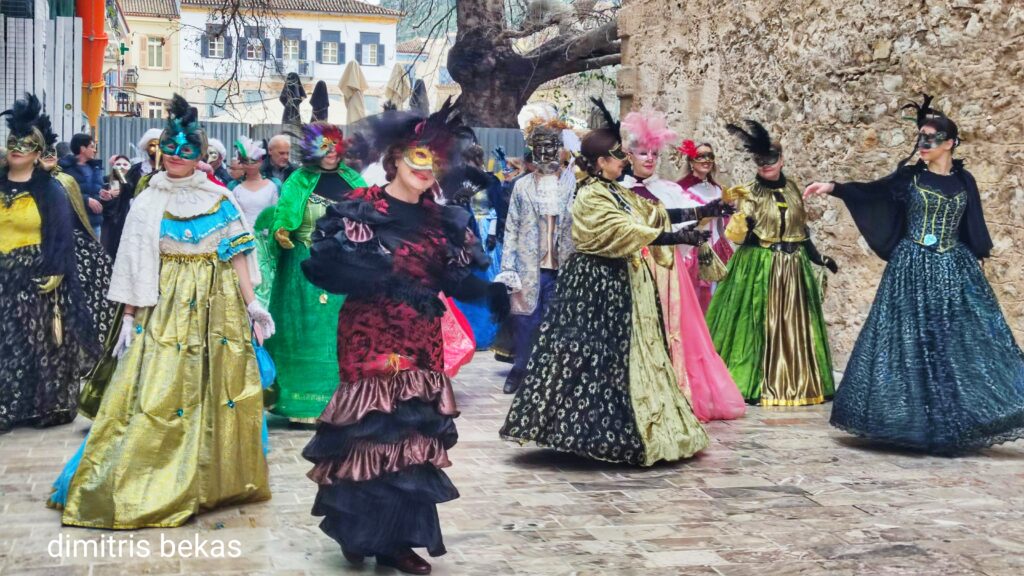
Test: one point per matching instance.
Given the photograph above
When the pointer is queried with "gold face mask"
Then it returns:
(419, 158)
(23, 145)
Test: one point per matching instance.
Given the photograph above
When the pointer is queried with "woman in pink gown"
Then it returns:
(699, 187)
(700, 371)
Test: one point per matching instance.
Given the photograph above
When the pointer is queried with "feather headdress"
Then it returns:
(46, 129)
(183, 129)
(540, 116)
(318, 139)
(755, 139)
(647, 130)
(249, 149)
(688, 148)
(23, 116)
(409, 128)
(923, 111)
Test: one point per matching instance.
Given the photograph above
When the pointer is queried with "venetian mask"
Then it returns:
(152, 147)
(769, 159)
(180, 146)
(418, 158)
(705, 157)
(122, 164)
(928, 141)
(23, 145)
(212, 156)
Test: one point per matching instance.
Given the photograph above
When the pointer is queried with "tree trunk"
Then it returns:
(497, 81)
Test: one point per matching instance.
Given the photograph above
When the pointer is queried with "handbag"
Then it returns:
(268, 371)
(710, 266)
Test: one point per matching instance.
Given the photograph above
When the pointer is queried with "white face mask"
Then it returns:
(122, 164)
(212, 156)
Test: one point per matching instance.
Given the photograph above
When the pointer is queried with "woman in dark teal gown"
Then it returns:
(936, 367)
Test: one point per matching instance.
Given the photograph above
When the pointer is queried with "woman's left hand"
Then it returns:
(263, 323)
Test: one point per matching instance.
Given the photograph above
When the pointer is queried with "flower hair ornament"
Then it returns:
(318, 139)
(647, 130)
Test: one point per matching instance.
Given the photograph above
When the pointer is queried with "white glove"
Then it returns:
(124, 339)
(260, 317)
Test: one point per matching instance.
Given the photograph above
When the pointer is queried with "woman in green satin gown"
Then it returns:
(305, 346)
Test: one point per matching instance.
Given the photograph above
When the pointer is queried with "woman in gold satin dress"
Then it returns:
(179, 428)
(765, 318)
(600, 383)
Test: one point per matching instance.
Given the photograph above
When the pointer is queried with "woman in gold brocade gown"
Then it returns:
(179, 427)
(600, 382)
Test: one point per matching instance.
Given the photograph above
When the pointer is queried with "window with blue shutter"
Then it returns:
(330, 50)
(369, 50)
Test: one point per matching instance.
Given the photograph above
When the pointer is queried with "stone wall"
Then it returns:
(828, 78)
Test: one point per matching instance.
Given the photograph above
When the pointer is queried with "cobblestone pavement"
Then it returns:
(777, 493)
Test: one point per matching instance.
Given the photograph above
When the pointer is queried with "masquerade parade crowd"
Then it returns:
(180, 299)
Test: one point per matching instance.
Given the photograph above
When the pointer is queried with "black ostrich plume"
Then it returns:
(22, 117)
(924, 110)
(609, 120)
(755, 138)
(46, 128)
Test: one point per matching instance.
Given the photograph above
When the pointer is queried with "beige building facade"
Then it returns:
(153, 54)
(828, 79)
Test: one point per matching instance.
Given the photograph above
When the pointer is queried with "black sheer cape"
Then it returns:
(879, 209)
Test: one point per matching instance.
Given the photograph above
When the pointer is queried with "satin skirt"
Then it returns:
(303, 348)
(700, 371)
(179, 428)
(381, 443)
(766, 322)
(936, 367)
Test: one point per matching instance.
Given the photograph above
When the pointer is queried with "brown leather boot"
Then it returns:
(406, 561)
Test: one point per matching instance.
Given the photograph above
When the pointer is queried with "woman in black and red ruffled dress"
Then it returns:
(382, 440)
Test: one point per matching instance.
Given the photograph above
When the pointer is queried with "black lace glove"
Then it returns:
(685, 236)
(491, 243)
(498, 301)
(714, 209)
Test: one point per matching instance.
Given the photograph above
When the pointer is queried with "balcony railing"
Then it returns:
(304, 68)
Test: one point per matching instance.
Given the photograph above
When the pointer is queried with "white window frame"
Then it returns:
(154, 109)
(290, 49)
(254, 49)
(334, 52)
(155, 51)
(216, 47)
(370, 56)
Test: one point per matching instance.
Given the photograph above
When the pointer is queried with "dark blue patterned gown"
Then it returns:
(936, 367)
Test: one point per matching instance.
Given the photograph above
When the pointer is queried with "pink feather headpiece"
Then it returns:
(648, 129)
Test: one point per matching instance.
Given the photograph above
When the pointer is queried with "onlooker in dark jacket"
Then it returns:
(88, 172)
(277, 163)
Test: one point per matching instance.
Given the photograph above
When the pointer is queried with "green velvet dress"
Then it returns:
(304, 348)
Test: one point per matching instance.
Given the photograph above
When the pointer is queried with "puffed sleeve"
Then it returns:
(601, 227)
(346, 257)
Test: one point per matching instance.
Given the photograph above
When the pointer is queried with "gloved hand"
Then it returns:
(124, 338)
(491, 243)
(48, 284)
(283, 239)
(498, 301)
(260, 317)
(689, 236)
(715, 209)
(830, 264)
